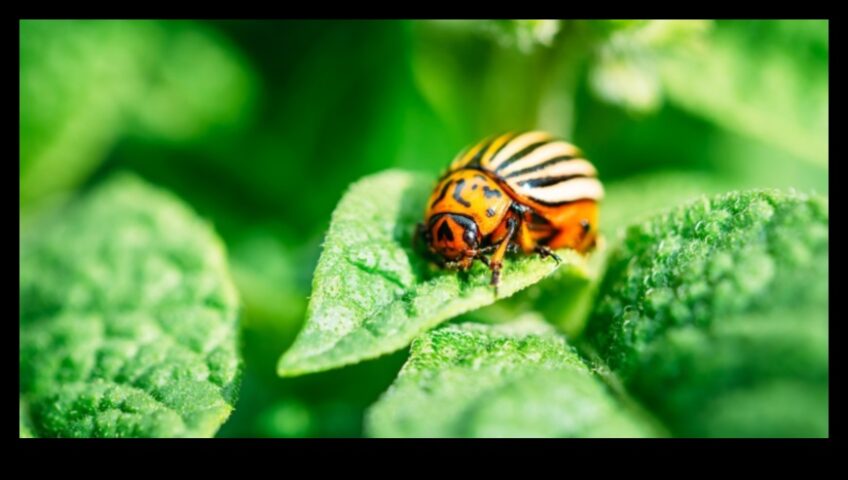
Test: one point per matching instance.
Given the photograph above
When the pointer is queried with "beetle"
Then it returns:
(526, 191)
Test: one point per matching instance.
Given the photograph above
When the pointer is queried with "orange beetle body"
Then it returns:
(523, 191)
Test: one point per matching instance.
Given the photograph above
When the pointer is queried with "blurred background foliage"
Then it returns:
(260, 127)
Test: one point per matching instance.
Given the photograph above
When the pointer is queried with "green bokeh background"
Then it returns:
(260, 127)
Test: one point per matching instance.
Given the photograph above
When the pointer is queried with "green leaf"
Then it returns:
(523, 34)
(513, 380)
(128, 319)
(372, 294)
(199, 89)
(24, 427)
(85, 84)
(718, 299)
(767, 80)
(566, 301)
(625, 202)
(751, 375)
(77, 78)
(625, 70)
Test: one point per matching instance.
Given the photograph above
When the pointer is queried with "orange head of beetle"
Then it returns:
(452, 236)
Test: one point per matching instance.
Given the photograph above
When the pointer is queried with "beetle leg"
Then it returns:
(524, 238)
(496, 262)
(481, 251)
(544, 252)
(518, 208)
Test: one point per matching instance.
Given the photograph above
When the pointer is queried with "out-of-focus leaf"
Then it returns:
(312, 134)
(199, 89)
(564, 299)
(84, 84)
(673, 139)
(470, 84)
(24, 429)
(625, 72)
(325, 404)
(265, 271)
(128, 319)
(627, 79)
(512, 380)
(372, 293)
(77, 81)
(524, 34)
(765, 79)
(753, 375)
(705, 302)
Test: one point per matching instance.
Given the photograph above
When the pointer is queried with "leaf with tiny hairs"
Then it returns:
(519, 379)
(373, 293)
(720, 306)
(128, 323)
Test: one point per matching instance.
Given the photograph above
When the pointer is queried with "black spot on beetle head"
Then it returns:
(444, 233)
(454, 236)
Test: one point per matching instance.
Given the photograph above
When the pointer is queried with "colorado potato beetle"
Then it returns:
(517, 191)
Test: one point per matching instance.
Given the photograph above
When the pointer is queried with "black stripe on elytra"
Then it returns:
(541, 166)
(460, 184)
(441, 194)
(548, 181)
(490, 212)
(444, 232)
(559, 204)
(475, 160)
(521, 154)
(509, 139)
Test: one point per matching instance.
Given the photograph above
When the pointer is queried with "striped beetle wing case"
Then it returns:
(536, 167)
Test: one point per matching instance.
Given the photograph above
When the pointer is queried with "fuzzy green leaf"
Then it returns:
(718, 299)
(567, 301)
(128, 319)
(372, 293)
(512, 380)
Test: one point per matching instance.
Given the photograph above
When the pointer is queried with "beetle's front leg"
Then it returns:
(483, 260)
(496, 262)
(480, 251)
